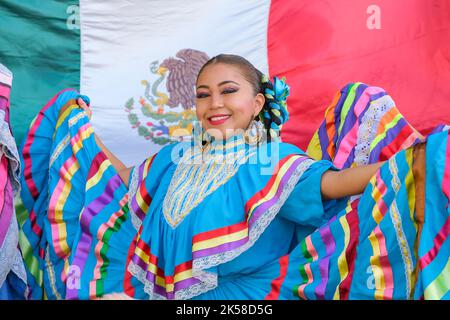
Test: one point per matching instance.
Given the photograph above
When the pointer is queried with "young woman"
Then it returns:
(233, 214)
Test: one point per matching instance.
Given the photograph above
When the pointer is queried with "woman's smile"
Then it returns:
(218, 119)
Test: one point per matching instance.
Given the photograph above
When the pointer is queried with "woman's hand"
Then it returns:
(85, 107)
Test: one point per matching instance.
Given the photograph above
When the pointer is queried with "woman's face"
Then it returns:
(225, 101)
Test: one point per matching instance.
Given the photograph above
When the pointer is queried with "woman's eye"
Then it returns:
(202, 95)
(229, 90)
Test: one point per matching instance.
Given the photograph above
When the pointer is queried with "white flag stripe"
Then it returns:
(120, 39)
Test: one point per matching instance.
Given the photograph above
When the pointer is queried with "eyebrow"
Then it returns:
(220, 84)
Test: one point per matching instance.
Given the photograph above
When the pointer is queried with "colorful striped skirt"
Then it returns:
(391, 242)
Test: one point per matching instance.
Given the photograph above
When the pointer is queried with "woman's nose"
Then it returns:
(216, 102)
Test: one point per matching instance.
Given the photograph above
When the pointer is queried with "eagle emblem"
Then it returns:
(167, 105)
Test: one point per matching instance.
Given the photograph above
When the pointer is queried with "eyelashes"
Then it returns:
(228, 91)
(202, 95)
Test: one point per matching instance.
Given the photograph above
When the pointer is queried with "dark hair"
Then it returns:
(249, 72)
(255, 78)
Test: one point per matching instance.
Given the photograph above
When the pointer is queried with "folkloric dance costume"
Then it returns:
(238, 220)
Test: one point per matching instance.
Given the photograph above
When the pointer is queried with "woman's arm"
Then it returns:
(121, 169)
(348, 182)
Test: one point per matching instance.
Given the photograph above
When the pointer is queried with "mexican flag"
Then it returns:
(137, 59)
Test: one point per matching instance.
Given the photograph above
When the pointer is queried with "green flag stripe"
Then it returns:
(40, 44)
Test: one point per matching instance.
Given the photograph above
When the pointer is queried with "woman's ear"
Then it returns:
(260, 100)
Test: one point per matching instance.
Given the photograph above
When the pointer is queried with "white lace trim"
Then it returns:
(131, 194)
(208, 280)
(405, 250)
(393, 168)
(73, 120)
(9, 148)
(369, 126)
(51, 273)
(66, 140)
(197, 176)
(396, 219)
(59, 149)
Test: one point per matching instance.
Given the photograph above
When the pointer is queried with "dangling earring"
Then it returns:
(254, 134)
(201, 137)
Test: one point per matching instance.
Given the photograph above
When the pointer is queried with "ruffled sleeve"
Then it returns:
(305, 205)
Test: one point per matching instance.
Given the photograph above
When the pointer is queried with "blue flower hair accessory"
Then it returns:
(274, 113)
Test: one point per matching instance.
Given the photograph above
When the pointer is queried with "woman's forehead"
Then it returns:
(220, 72)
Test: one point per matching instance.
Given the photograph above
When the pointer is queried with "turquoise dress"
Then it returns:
(230, 220)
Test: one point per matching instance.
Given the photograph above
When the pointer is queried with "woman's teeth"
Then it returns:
(218, 118)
